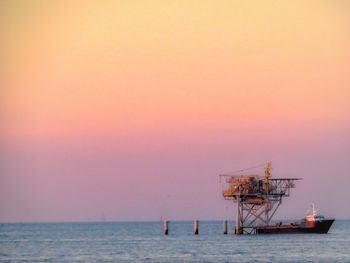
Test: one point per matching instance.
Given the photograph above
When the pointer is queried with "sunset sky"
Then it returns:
(131, 109)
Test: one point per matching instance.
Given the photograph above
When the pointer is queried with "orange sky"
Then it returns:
(107, 65)
(120, 70)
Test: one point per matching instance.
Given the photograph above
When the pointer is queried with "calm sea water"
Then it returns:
(145, 242)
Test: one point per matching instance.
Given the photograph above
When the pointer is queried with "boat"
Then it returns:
(311, 223)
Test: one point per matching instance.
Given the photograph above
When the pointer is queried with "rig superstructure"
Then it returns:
(257, 198)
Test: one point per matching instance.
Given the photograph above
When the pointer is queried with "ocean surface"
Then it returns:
(145, 242)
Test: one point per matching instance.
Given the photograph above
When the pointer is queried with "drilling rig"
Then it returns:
(257, 198)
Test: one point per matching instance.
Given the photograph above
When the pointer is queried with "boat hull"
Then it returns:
(318, 227)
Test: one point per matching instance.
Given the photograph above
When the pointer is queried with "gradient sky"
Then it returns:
(132, 108)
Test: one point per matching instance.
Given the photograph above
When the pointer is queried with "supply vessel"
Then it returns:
(312, 223)
(259, 197)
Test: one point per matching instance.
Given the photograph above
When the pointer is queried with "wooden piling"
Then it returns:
(196, 226)
(225, 227)
(166, 227)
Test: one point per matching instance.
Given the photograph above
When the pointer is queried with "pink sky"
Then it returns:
(132, 109)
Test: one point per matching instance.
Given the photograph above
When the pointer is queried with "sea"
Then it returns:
(145, 242)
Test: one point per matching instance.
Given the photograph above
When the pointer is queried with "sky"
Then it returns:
(129, 110)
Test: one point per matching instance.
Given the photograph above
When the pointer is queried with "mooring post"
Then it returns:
(225, 227)
(166, 227)
(196, 225)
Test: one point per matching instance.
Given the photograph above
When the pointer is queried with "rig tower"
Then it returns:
(257, 198)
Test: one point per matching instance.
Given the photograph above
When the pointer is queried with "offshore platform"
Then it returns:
(257, 198)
